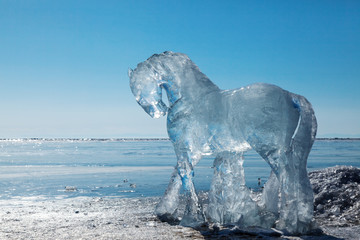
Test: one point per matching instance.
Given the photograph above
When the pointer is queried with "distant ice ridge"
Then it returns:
(203, 120)
(80, 139)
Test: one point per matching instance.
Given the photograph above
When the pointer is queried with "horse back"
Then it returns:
(262, 114)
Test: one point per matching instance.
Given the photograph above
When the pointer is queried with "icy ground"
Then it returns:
(337, 210)
(86, 218)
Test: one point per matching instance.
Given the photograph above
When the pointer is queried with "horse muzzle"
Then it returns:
(156, 110)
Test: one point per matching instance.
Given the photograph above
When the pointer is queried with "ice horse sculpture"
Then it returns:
(205, 120)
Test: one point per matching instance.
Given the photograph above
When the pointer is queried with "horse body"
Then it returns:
(218, 123)
(204, 120)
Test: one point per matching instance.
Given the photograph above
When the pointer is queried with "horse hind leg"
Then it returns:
(296, 193)
(289, 178)
(284, 195)
(296, 197)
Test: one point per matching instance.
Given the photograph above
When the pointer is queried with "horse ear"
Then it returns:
(130, 72)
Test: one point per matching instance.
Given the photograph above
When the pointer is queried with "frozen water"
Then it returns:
(205, 120)
(101, 168)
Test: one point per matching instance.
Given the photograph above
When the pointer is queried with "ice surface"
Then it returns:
(205, 120)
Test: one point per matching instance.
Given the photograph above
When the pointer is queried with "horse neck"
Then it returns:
(188, 86)
(172, 92)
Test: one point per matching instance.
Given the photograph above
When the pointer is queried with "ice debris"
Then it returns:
(70, 189)
(337, 195)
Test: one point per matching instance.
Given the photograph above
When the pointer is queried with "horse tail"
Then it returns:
(305, 133)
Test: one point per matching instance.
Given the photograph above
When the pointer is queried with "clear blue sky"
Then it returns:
(63, 64)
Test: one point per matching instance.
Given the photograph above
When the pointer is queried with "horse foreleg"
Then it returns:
(229, 198)
(193, 215)
(166, 210)
(270, 195)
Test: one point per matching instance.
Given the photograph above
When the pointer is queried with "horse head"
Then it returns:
(145, 84)
(173, 72)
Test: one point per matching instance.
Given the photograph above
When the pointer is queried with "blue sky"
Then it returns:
(63, 64)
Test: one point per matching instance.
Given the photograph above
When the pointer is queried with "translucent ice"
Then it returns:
(205, 120)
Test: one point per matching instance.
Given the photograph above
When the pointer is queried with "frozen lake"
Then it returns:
(33, 168)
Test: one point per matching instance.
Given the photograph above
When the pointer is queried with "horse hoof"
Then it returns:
(169, 218)
(193, 221)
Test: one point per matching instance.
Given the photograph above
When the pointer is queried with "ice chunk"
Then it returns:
(205, 120)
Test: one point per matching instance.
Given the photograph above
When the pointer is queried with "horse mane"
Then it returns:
(166, 53)
(169, 59)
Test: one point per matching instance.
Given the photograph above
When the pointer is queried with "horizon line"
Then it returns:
(132, 139)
